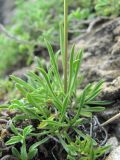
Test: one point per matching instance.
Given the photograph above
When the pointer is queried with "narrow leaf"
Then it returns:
(71, 67)
(16, 153)
(13, 140)
(23, 83)
(35, 145)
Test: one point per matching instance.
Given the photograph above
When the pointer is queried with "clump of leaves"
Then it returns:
(87, 147)
(21, 138)
(59, 112)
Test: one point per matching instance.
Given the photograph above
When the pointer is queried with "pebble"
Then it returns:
(113, 141)
(114, 155)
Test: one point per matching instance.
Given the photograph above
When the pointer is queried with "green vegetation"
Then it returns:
(57, 111)
(22, 155)
(7, 91)
(39, 19)
(108, 7)
(10, 54)
(50, 100)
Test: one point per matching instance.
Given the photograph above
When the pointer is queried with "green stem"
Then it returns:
(65, 43)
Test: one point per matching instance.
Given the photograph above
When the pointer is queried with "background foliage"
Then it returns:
(35, 19)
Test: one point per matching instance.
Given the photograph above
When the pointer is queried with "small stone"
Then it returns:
(114, 155)
(111, 90)
(113, 142)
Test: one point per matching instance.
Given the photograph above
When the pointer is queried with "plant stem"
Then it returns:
(65, 43)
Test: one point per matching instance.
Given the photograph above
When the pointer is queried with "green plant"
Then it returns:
(21, 138)
(53, 108)
(108, 7)
(78, 14)
(87, 147)
(56, 110)
(52, 102)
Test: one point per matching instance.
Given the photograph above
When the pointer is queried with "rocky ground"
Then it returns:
(102, 61)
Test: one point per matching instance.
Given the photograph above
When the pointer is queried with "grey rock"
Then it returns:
(102, 52)
(21, 73)
(113, 141)
(102, 61)
(114, 155)
(111, 90)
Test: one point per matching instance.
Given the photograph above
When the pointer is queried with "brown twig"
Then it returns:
(77, 30)
(18, 40)
(7, 157)
(111, 120)
(91, 25)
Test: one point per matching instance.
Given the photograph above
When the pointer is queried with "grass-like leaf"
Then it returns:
(53, 62)
(22, 83)
(14, 140)
(35, 145)
(76, 67)
(98, 102)
(36, 78)
(71, 67)
(16, 153)
(93, 109)
(64, 107)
